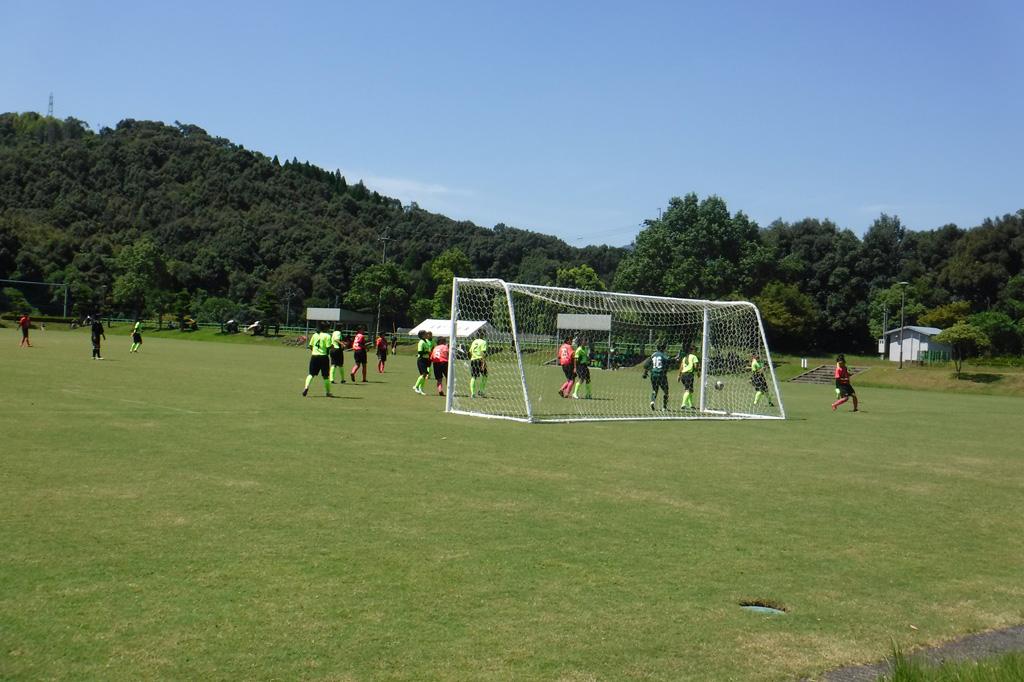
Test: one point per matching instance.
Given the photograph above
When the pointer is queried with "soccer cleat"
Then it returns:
(304, 392)
(652, 404)
(329, 395)
(482, 394)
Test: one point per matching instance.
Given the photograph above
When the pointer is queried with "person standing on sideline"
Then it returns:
(687, 371)
(582, 359)
(843, 384)
(382, 352)
(358, 354)
(25, 322)
(758, 381)
(439, 358)
(319, 360)
(478, 367)
(422, 362)
(657, 366)
(337, 355)
(565, 360)
(136, 337)
(394, 343)
(96, 331)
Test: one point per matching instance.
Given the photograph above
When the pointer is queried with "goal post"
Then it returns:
(519, 377)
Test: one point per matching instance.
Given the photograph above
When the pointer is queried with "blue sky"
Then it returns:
(578, 119)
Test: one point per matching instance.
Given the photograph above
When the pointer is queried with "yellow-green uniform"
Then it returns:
(582, 358)
(136, 338)
(478, 367)
(319, 361)
(423, 348)
(687, 371)
(758, 381)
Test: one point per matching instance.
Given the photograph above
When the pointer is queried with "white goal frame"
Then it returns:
(514, 337)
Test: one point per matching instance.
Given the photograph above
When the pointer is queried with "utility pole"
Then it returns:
(383, 259)
(49, 109)
(903, 302)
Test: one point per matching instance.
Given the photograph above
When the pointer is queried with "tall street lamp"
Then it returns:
(903, 303)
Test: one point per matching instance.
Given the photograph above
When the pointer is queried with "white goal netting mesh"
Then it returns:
(524, 326)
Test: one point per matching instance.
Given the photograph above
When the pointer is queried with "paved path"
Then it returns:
(972, 647)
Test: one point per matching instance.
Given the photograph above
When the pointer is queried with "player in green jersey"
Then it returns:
(758, 381)
(581, 357)
(423, 348)
(478, 367)
(687, 371)
(657, 366)
(337, 355)
(136, 337)
(319, 360)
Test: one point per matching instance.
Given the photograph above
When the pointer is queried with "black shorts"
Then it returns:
(95, 342)
(136, 337)
(659, 381)
(440, 370)
(759, 383)
(337, 356)
(569, 372)
(687, 379)
(359, 357)
(477, 368)
(320, 364)
(846, 390)
(382, 357)
(423, 365)
(24, 332)
(583, 372)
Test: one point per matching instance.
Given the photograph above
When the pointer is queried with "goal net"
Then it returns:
(519, 375)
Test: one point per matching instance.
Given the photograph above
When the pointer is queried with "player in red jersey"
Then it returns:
(382, 352)
(24, 322)
(359, 353)
(566, 358)
(843, 384)
(439, 358)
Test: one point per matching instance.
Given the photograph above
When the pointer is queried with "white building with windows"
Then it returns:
(918, 345)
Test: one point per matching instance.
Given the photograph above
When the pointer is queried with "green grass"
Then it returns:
(183, 513)
(1006, 668)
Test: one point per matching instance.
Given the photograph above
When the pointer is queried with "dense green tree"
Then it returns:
(789, 316)
(1002, 332)
(965, 339)
(141, 268)
(382, 286)
(947, 315)
(580, 277)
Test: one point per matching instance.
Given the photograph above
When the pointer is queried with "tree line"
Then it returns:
(153, 219)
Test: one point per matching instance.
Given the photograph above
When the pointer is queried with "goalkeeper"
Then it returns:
(478, 368)
(582, 359)
(758, 381)
(657, 366)
(687, 369)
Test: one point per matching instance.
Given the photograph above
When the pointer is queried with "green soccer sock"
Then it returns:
(483, 383)
(589, 394)
(687, 399)
(576, 389)
(757, 397)
(334, 371)
(419, 382)
(327, 386)
(309, 379)
(472, 386)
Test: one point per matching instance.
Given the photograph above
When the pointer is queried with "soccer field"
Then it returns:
(184, 513)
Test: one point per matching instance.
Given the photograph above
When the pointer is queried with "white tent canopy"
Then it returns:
(463, 329)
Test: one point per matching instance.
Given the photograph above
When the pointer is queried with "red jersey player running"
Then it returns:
(439, 358)
(359, 353)
(843, 384)
(565, 358)
(24, 322)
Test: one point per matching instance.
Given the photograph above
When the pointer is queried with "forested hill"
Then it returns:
(148, 218)
(213, 220)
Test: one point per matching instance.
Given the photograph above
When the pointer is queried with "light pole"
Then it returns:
(383, 259)
(903, 303)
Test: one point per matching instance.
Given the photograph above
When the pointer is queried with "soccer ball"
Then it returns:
(719, 385)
